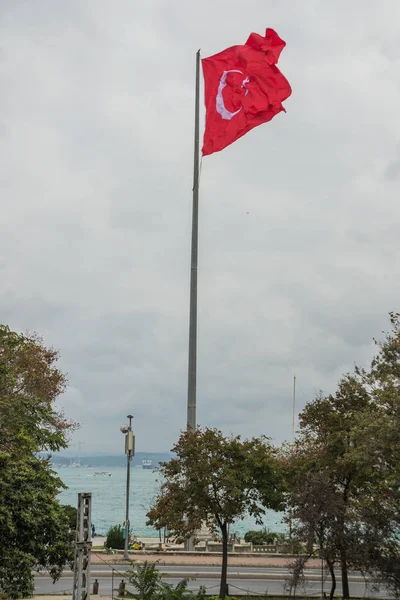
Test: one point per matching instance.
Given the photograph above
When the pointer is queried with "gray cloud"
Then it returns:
(392, 172)
(299, 251)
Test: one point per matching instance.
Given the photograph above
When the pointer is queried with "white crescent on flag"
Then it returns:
(220, 106)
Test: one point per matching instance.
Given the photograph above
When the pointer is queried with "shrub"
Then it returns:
(115, 538)
(147, 581)
(263, 536)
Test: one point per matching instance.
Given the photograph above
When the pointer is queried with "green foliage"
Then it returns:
(16, 579)
(264, 536)
(146, 579)
(202, 593)
(329, 479)
(71, 513)
(34, 531)
(30, 383)
(179, 592)
(343, 471)
(115, 538)
(216, 480)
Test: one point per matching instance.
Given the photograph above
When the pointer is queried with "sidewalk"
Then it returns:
(212, 560)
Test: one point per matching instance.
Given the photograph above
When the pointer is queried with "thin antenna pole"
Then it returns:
(192, 363)
(293, 429)
(294, 407)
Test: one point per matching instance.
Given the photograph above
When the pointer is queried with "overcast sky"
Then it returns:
(299, 247)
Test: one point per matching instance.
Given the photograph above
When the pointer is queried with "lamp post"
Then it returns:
(129, 451)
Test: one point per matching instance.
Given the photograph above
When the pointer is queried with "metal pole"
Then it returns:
(128, 481)
(192, 364)
(294, 406)
(293, 429)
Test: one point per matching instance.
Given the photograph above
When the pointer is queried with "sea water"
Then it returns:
(109, 498)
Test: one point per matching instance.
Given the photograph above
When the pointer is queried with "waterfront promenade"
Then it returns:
(179, 557)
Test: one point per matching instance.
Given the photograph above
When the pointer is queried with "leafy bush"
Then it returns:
(179, 592)
(264, 536)
(147, 581)
(115, 538)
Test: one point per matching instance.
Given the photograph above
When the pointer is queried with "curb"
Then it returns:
(134, 553)
(212, 575)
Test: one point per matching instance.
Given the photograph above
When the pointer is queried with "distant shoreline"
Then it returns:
(111, 460)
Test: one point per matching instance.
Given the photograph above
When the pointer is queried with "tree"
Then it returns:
(30, 384)
(344, 469)
(328, 476)
(34, 529)
(379, 438)
(317, 512)
(71, 512)
(216, 480)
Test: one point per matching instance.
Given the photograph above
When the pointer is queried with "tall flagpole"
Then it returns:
(192, 364)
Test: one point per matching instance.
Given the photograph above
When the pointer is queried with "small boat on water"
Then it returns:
(101, 474)
(147, 464)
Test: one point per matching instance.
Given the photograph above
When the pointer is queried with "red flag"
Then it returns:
(243, 88)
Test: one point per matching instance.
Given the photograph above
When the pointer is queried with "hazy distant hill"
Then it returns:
(112, 461)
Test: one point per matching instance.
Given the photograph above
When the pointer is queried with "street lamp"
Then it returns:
(129, 451)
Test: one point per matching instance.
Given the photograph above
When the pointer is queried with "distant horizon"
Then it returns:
(68, 454)
(107, 460)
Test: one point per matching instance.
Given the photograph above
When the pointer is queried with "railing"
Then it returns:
(209, 546)
(272, 549)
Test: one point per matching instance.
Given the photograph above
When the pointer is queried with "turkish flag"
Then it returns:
(243, 88)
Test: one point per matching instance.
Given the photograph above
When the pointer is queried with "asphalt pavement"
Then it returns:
(241, 580)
